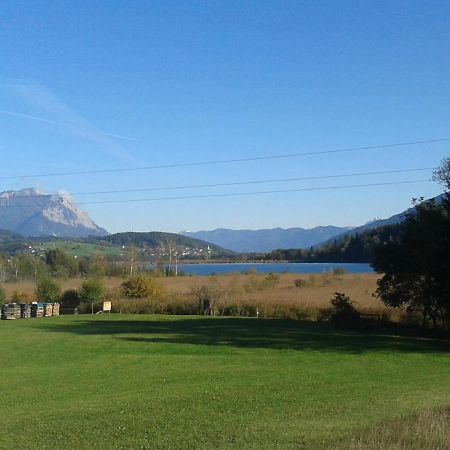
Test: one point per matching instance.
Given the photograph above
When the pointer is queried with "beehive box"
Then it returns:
(37, 310)
(25, 311)
(11, 311)
(48, 309)
(56, 309)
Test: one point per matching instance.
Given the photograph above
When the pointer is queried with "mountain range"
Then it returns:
(31, 212)
(266, 240)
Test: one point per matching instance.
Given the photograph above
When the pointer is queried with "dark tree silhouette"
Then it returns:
(416, 266)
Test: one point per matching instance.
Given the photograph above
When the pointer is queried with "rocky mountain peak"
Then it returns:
(32, 212)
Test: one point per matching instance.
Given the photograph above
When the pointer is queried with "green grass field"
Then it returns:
(125, 381)
(83, 249)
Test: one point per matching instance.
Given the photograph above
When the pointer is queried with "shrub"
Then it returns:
(48, 290)
(142, 286)
(20, 297)
(208, 297)
(339, 271)
(300, 283)
(70, 299)
(344, 314)
(272, 280)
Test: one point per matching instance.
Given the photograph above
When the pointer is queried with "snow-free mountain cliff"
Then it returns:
(31, 212)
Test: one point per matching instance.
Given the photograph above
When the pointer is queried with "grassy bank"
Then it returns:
(430, 429)
(127, 381)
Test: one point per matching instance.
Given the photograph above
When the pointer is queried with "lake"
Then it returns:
(310, 268)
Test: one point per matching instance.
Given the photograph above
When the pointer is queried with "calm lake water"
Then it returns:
(224, 268)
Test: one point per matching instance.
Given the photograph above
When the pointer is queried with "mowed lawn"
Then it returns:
(126, 381)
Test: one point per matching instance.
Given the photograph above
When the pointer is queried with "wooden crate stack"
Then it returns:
(48, 309)
(56, 309)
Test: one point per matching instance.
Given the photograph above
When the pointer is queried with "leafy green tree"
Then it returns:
(32, 267)
(61, 263)
(92, 291)
(97, 266)
(48, 290)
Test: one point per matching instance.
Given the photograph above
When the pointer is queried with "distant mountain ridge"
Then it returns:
(266, 240)
(31, 212)
(378, 223)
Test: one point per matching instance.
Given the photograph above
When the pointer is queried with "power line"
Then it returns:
(226, 161)
(235, 183)
(239, 194)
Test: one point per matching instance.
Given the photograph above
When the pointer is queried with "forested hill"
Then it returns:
(356, 245)
(155, 239)
(10, 242)
(358, 248)
(149, 243)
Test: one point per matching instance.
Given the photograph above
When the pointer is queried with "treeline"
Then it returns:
(60, 264)
(358, 248)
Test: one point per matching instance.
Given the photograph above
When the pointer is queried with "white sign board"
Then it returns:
(106, 306)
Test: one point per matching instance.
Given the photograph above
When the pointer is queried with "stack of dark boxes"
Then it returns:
(10, 311)
(25, 311)
(37, 310)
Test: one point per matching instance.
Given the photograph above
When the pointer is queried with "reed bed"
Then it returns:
(291, 296)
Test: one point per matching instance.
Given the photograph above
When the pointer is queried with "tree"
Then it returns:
(32, 267)
(48, 290)
(97, 266)
(442, 174)
(345, 313)
(3, 267)
(416, 265)
(92, 292)
(2, 296)
(70, 299)
(131, 257)
(61, 263)
(142, 286)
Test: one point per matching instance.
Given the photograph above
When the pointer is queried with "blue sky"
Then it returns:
(109, 84)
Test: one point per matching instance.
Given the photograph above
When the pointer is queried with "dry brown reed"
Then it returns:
(429, 430)
(284, 295)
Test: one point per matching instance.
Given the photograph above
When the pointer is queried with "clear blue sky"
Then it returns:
(93, 85)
